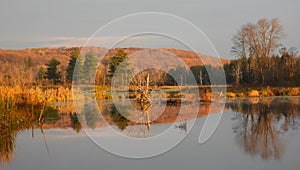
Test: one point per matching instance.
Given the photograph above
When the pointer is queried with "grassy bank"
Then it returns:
(18, 95)
(240, 91)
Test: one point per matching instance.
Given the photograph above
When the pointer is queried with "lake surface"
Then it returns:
(253, 134)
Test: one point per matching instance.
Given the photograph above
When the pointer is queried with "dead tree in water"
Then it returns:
(145, 92)
(144, 99)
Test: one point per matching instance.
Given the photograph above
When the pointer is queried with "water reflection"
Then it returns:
(182, 127)
(118, 118)
(14, 120)
(136, 121)
(75, 123)
(25, 117)
(260, 126)
(143, 119)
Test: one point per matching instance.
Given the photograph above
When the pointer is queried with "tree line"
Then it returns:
(261, 59)
(77, 69)
(281, 70)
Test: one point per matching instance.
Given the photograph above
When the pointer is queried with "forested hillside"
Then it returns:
(23, 66)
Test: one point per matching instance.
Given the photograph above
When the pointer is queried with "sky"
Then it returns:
(58, 23)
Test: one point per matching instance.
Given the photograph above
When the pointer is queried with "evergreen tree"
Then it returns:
(71, 65)
(90, 67)
(52, 72)
(78, 74)
(117, 60)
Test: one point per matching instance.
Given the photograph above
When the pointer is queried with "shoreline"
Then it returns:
(41, 95)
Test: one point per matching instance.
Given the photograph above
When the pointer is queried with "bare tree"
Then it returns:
(260, 40)
(240, 44)
(237, 72)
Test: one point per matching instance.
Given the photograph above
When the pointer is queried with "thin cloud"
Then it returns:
(142, 41)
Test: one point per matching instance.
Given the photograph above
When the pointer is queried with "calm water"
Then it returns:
(253, 134)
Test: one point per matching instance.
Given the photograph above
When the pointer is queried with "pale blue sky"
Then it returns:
(41, 23)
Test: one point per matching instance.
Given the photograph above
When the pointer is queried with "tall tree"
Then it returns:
(71, 65)
(236, 70)
(52, 72)
(288, 65)
(90, 67)
(78, 74)
(260, 40)
(104, 72)
(118, 62)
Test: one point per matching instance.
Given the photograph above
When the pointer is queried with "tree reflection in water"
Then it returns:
(143, 119)
(10, 125)
(75, 123)
(14, 120)
(118, 118)
(182, 127)
(128, 121)
(259, 126)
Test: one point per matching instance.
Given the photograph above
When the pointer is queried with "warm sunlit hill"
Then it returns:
(192, 59)
(189, 57)
(21, 66)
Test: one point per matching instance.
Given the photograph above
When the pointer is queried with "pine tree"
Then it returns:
(71, 65)
(90, 67)
(117, 60)
(78, 74)
(52, 72)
